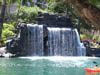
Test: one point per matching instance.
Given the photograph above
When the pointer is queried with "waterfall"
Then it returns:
(64, 42)
(35, 40)
(81, 51)
(60, 41)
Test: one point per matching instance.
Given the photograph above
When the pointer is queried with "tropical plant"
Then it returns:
(28, 14)
(7, 32)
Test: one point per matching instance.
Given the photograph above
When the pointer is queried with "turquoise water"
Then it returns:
(47, 66)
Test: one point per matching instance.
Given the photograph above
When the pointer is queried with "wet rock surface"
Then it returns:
(4, 53)
(18, 44)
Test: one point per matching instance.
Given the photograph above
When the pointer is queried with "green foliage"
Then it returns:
(59, 6)
(82, 36)
(95, 2)
(28, 14)
(0, 0)
(7, 32)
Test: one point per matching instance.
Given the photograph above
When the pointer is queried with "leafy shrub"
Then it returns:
(28, 14)
(82, 36)
(7, 32)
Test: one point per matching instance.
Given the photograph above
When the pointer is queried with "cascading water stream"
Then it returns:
(61, 41)
(80, 48)
(64, 42)
(35, 40)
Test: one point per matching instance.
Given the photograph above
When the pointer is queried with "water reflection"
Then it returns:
(92, 73)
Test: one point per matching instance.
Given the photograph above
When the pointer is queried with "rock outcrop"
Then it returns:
(18, 45)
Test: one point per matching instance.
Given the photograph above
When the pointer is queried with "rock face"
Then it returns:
(16, 45)
(49, 37)
(54, 20)
(4, 53)
(38, 40)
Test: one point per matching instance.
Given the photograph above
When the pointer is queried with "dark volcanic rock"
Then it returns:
(53, 20)
(18, 44)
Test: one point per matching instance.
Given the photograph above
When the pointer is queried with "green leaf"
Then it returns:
(19, 2)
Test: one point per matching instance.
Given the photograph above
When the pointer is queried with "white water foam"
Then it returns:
(59, 58)
(60, 61)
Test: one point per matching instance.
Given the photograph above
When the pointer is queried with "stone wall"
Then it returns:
(53, 20)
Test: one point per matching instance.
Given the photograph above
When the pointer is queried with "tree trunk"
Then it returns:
(87, 11)
(8, 10)
(79, 24)
(24, 2)
(3, 7)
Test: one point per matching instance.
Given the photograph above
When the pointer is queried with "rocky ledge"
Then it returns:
(4, 53)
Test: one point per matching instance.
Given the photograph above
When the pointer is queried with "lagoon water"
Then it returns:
(47, 65)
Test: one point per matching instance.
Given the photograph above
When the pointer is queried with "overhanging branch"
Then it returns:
(87, 11)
